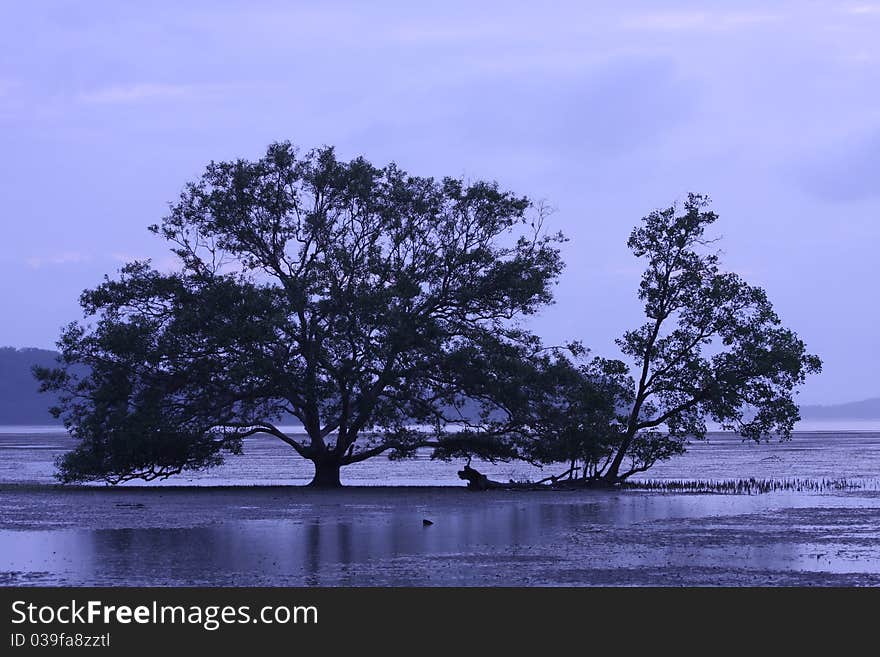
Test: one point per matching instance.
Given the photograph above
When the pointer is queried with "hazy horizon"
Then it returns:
(107, 110)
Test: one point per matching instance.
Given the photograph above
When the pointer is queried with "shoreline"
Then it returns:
(207, 488)
(691, 486)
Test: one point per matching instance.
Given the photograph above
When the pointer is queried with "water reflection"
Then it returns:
(277, 537)
(286, 549)
(364, 543)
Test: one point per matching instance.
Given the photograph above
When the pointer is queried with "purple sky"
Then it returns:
(773, 109)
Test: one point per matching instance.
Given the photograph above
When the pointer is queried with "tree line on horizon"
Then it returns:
(385, 312)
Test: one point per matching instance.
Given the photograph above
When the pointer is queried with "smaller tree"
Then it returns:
(712, 347)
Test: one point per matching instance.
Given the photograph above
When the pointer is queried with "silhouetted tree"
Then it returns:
(576, 416)
(339, 293)
(546, 407)
(712, 348)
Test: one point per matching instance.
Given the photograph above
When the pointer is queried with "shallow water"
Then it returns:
(266, 536)
(137, 535)
(29, 457)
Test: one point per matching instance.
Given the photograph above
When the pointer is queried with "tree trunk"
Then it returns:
(611, 476)
(326, 474)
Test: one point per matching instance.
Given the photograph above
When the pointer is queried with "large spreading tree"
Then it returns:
(351, 297)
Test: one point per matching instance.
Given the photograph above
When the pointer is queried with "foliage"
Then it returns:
(330, 291)
(712, 347)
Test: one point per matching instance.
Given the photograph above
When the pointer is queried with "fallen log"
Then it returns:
(476, 480)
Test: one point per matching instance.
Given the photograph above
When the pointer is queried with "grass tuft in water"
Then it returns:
(750, 486)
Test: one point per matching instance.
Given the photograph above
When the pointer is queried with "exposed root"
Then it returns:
(478, 481)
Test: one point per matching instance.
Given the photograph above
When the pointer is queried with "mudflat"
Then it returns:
(375, 536)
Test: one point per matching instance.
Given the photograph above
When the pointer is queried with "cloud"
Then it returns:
(677, 21)
(8, 86)
(862, 10)
(164, 263)
(846, 171)
(608, 110)
(126, 257)
(11, 97)
(142, 92)
(421, 34)
(56, 259)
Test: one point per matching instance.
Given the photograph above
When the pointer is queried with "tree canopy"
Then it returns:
(383, 312)
(712, 347)
(339, 293)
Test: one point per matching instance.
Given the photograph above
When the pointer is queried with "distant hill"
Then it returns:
(867, 409)
(20, 401)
